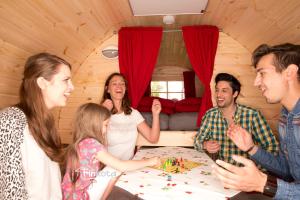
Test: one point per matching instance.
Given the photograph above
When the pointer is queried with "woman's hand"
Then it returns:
(108, 104)
(156, 107)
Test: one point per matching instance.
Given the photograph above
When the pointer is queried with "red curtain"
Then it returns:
(201, 43)
(138, 51)
(189, 84)
(148, 90)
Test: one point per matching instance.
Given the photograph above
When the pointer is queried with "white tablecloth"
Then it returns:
(199, 183)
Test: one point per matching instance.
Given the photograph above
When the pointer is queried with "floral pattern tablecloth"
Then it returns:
(199, 183)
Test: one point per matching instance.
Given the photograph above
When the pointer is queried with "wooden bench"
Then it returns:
(170, 138)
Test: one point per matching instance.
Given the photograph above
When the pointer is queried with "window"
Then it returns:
(167, 89)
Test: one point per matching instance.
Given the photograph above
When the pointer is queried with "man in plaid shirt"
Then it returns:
(212, 134)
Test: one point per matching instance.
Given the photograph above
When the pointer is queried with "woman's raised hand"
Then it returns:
(108, 104)
(156, 106)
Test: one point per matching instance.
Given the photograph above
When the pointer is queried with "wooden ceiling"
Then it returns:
(73, 29)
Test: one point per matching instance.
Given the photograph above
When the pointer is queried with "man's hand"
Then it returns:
(108, 104)
(211, 146)
(156, 107)
(247, 178)
(241, 138)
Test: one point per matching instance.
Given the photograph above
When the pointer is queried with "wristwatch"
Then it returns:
(270, 188)
(250, 148)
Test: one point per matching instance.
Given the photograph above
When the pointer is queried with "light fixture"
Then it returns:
(169, 19)
(110, 52)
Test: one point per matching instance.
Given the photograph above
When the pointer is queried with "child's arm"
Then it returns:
(125, 165)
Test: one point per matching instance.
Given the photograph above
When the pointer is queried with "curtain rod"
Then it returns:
(178, 30)
(172, 30)
(167, 31)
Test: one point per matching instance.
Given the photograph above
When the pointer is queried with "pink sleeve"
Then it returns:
(90, 147)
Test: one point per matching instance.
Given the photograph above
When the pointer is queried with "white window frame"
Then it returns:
(167, 92)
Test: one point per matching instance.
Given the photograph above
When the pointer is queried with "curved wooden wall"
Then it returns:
(231, 57)
(89, 79)
(75, 30)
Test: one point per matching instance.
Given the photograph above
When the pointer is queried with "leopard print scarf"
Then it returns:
(12, 177)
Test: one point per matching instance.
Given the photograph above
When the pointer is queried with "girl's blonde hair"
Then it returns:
(88, 123)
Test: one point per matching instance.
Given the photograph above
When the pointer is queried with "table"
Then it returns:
(199, 183)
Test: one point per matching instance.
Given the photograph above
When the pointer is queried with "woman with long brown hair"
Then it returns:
(30, 147)
(125, 121)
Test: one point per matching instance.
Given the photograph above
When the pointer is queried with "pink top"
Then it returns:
(88, 168)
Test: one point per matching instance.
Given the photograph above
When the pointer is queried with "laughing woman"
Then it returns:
(30, 148)
(125, 121)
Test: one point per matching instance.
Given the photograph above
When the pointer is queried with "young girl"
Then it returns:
(87, 154)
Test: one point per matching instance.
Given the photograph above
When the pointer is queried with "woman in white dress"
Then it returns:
(30, 147)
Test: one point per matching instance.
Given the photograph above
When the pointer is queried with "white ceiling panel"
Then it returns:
(167, 7)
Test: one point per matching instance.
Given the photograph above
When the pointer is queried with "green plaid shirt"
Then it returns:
(214, 127)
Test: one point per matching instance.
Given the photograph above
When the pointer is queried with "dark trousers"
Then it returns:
(118, 193)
